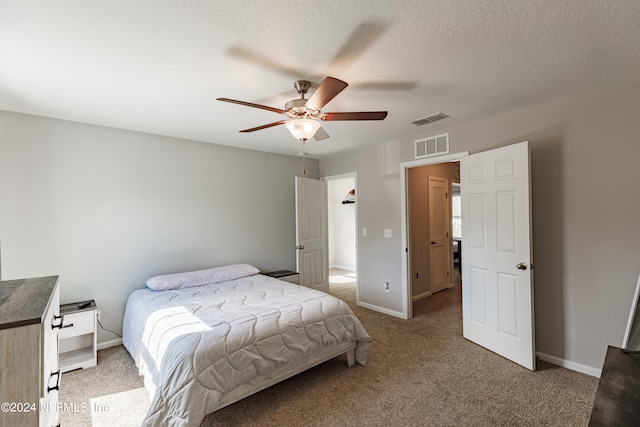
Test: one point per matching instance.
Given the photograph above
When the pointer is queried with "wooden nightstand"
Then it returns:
(286, 275)
(77, 337)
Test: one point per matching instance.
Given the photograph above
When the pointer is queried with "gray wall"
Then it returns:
(585, 155)
(107, 208)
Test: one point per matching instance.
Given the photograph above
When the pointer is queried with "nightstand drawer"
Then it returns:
(74, 324)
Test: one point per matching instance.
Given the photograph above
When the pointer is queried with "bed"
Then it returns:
(203, 346)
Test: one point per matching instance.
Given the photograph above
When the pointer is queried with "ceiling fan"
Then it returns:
(303, 114)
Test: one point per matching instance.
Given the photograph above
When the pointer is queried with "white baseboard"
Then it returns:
(342, 267)
(106, 344)
(381, 309)
(420, 296)
(578, 367)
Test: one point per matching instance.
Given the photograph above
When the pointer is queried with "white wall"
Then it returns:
(106, 209)
(342, 225)
(585, 154)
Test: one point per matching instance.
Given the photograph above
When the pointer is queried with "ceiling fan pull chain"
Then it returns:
(304, 171)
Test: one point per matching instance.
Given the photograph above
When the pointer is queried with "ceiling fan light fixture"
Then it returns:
(302, 129)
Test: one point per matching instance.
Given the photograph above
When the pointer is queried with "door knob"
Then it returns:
(433, 242)
(300, 247)
(522, 266)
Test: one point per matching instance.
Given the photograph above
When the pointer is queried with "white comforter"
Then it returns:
(195, 345)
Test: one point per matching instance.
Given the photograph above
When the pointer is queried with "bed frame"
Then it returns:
(169, 403)
(260, 383)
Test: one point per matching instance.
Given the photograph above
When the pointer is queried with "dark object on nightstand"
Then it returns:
(286, 275)
(617, 401)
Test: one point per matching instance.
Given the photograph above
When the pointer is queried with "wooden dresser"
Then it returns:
(617, 401)
(29, 374)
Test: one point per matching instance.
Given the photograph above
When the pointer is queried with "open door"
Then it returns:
(311, 233)
(497, 281)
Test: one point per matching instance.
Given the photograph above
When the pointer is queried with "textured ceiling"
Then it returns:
(157, 65)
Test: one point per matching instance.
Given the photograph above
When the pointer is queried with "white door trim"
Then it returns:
(407, 312)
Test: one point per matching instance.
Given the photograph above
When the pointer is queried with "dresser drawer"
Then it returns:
(74, 324)
(50, 373)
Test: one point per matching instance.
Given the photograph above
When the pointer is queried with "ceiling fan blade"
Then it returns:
(361, 39)
(250, 104)
(381, 85)
(320, 134)
(327, 90)
(365, 115)
(265, 61)
(281, 122)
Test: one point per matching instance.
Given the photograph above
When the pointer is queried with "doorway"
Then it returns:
(410, 277)
(456, 229)
(342, 230)
(497, 288)
(431, 228)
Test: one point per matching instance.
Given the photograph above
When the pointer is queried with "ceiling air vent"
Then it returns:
(432, 146)
(430, 119)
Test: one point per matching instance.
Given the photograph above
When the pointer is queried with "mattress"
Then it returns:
(195, 346)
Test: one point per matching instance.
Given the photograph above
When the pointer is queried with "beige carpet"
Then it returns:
(420, 372)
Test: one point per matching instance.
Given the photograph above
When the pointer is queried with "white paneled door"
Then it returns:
(439, 239)
(311, 233)
(497, 281)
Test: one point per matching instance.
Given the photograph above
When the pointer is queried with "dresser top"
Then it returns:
(25, 301)
(617, 401)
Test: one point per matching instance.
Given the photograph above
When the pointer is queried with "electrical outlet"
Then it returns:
(98, 314)
(387, 232)
(386, 286)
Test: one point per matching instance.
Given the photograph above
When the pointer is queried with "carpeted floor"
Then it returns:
(420, 372)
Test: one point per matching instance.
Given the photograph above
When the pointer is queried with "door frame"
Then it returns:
(407, 303)
(353, 175)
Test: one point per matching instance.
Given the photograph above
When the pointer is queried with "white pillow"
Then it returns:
(191, 279)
